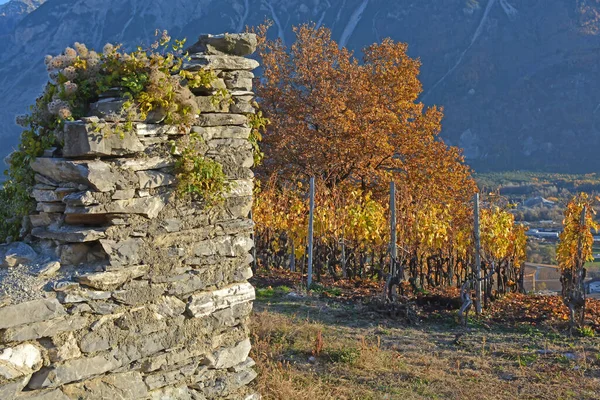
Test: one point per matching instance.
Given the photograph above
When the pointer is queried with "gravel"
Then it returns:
(25, 282)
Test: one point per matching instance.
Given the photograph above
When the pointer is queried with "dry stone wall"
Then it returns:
(123, 290)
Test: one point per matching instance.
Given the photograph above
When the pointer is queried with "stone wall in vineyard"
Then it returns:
(123, 289)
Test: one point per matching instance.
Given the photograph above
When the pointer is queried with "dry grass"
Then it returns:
(367, 357)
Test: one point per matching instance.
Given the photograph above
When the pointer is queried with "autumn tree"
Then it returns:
(573, 251)
(350, 122)
(356, 124)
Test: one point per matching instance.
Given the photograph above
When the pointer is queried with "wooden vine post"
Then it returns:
(393, 248)
(477, 272)
(577, 300)
(311, 215)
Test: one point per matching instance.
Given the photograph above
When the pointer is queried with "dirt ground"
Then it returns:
(315, 347)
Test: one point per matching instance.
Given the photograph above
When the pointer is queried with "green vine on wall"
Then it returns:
(198, 176)
(150, 80)
(259, 124)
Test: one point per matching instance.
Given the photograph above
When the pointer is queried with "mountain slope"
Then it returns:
(14, 11)
(518, 80)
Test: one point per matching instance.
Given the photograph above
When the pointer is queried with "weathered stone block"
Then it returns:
(240, 157)
(172, 357)
(85, 140)
(17, 253)
(143, 130)
(72, 371)
(144, 164)
(226, 246)
(212, 133)
(29, 312)
(123, 194)
(228, 357)
(74, 254)
(124, 252)
(238, 80)
(47, 196)
(86, 198)
(10, 390)
(219, 62)
(220, 120)
(111, 280)
(71, 234)
(230, 316)
(43, 395)
(160, 380)
(59, 170)
(127, 385)
(172, 225)
(19, 361)
(44, 180)
(171, 393)
(240, 188)
(80, 308)
(44, 329)
(107, 108)
(224, 145)
(168, 306)
(154, 179)
(49, 269)
(139, 292)
(206, 104)
(50, 207)
(44, 219)
(61, 347)
(238, 44)
(104, 308)
(96, 174)
(149, 207)
(80, 295)
(203, 304)
(145, 346)
(243, 108)
(247, 363)
(232, 270)
(216, 384)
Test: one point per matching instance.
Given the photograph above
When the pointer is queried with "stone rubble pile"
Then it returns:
(144, 294)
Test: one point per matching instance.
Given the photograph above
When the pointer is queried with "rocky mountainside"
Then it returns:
(14, 11)
(518, 79)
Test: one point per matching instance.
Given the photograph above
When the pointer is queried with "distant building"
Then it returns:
(538, 201)
(593, 286)
(542, 234)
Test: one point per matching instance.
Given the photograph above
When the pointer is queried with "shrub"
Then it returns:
(348, 355)
(198, 176)
(150, 80)
(587, 331)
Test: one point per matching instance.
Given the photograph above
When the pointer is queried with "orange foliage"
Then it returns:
(352, 123)
(355, 125)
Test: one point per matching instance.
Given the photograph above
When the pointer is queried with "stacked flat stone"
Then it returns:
(151, 300)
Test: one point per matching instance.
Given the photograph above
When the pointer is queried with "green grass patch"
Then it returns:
(348, 355)
(269, 292)
(586, 331)
(525, 360)
(320, 289)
